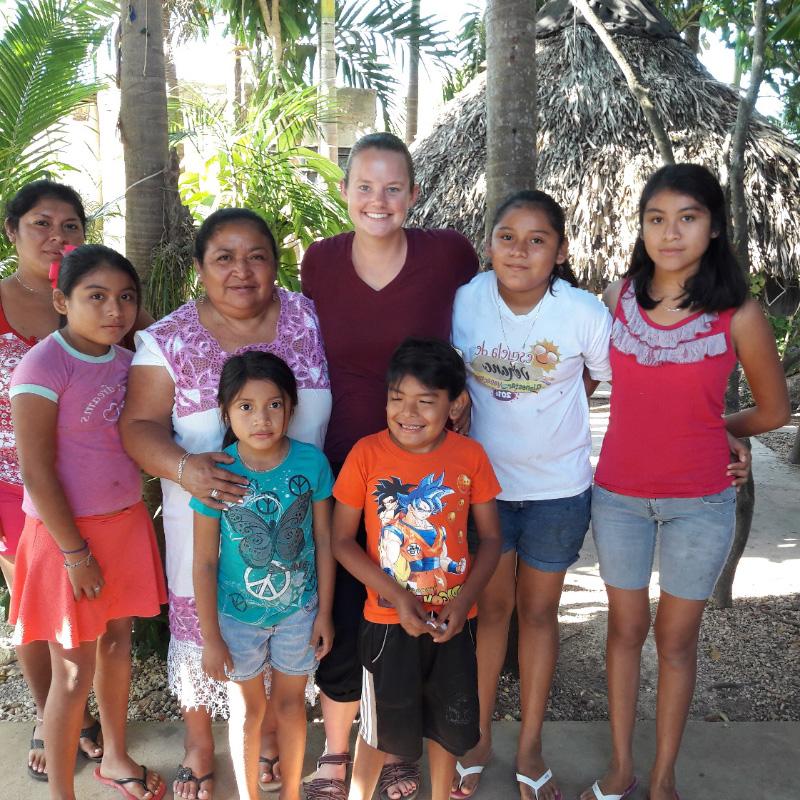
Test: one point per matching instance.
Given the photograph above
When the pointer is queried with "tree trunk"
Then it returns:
(691, 33)
(510, 100)
(745, 501)
(794, 453)
(412, 99)
(329, 145)
(143, 127)
(637, 89)
(271, 14)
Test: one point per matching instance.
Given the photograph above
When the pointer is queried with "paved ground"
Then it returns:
(739, 761)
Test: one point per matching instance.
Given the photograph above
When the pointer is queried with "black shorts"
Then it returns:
(414, 689)
(339, 673)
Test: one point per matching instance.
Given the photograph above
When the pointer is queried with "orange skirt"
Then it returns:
(124, 546)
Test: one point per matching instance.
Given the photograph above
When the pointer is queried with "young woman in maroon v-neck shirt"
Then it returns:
(372, 287)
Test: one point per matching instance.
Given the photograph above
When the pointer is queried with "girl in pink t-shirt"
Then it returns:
(87, 560)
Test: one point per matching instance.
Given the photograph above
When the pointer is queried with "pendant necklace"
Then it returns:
(530, 329)
(25, 285)
(262, 469)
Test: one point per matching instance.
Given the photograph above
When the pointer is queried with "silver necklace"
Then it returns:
(25, 285)
(262, 469)
(530, 329)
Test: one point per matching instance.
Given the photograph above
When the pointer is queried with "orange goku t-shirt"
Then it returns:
(415, 513)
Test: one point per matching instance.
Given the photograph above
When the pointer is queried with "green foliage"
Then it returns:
(259, 165)
(151, 635)
(370, 35)
(471, 52)
(45, 52)
(786, 327)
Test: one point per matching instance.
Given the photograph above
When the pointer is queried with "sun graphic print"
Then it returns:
(545, 355)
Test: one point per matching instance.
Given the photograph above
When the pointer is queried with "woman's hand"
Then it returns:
(216, 661)
(87, 579)
(739, 469)
(322, 636)
(213, 485)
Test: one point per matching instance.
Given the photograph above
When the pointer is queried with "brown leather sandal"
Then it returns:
(397, 773)
(328, 788)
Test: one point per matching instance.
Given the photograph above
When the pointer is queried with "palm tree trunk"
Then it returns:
(271, 14)
(637, 89)
(745, 501)
(143, 126)
(412, 99)
(329, 145)
(510, 100)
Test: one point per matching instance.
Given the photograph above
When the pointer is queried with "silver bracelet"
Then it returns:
(181, 465)
(85, 561)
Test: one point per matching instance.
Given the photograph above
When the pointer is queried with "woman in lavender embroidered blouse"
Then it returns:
(171, 411)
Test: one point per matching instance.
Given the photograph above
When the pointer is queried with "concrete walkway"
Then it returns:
(738, 761)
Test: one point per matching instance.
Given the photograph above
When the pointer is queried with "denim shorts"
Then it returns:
(547, 534)
(694, 537)
(286, 646)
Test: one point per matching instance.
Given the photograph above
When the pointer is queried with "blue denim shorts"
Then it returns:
(286, 646)
(694, 537)
(547, 534)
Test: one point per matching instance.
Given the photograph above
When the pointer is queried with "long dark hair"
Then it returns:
(541, 201)
(30, 194)
(257, 366)
(719, 282)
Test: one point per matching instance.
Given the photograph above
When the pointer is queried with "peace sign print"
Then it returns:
(299, 484)
(265, 588)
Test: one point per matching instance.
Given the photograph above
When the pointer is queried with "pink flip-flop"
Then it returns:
(119, 784)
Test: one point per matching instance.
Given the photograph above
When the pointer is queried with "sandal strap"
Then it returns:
(91, 732)
(334, 758)
(536, 784)
(395, 773)
(142, 780)
(326, 789)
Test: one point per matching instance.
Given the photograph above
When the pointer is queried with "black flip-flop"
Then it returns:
(92, 733)
(185, 775)
(37, 744)
(275, 784)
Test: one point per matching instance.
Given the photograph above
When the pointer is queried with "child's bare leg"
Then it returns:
(367, 770)
(198, 746)
(442, 765)
(112, 688)
(288, 700)
(63, 713)
(248, 702)
(269, 747)
(338, 720)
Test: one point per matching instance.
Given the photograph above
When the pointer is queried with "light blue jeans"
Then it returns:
(694, 536)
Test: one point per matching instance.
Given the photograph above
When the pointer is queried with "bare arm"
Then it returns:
(35, 420)
(755, 348)
(216, 657)
(322, 634)
(589, 383)
(482, 568)
(146, 430)
(354, 559)
(611, 294)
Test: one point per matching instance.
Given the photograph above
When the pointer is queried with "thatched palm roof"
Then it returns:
(595, 150)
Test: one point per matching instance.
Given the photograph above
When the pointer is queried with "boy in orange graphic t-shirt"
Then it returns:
(416, 483)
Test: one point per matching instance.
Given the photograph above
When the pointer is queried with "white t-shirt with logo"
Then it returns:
(525, 378)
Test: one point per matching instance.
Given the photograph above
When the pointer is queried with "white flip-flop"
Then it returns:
(539, 783)
(600, 796)
(462, 773)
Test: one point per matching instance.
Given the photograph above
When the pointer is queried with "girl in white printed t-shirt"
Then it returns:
(535, 347)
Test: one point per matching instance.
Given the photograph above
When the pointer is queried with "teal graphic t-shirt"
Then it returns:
(267, 569)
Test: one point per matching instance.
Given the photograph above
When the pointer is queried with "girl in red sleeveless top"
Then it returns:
(681, 320)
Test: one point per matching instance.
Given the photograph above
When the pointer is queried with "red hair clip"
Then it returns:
(55, 266)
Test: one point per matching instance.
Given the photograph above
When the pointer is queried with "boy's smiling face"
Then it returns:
(416, 414)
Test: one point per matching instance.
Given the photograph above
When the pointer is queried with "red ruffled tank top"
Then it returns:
(666, 436)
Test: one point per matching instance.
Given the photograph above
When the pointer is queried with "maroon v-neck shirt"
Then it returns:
(361, 327)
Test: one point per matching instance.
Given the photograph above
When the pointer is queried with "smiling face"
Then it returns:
(100, 309)
(676, 230)
(524, 251)
(238, 269)
(417, 414)
(379, 192)
(42, 232)
(259, 415)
